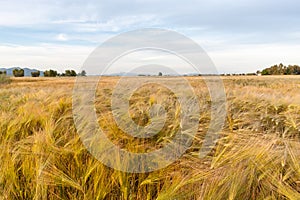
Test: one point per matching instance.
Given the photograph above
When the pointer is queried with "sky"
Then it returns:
(238, 35)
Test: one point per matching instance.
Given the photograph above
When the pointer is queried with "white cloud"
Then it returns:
(239, 35)
(229, 59)
(250, 58)
(113, 24)
(44, 56)
(62, 37)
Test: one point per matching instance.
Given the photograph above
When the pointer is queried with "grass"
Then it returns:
(257, 157)
(4, 79)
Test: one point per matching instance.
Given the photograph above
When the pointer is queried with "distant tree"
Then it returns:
(265, 72)
(3, 78)
(35, 74)
(250, 74)
(287, 71)
(160, 74)
(83, 73)
(294, 69)
(281, 70)
(73, 73)
(50, 73)
(70, 73)
(18, 72)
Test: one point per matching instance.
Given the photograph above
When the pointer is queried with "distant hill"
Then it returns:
(122, 74)
(27, 71)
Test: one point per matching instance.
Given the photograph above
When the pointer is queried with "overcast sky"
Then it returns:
(239, 36)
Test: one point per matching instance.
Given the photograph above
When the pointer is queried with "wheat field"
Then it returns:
(256, 157)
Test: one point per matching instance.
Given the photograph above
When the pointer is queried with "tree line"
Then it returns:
(281, 70)
(47, 73)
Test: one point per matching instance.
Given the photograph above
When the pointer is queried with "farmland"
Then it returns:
(256, 157)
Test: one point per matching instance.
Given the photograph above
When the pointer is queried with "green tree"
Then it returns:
(265, 72)
(281, 70)
(18, 72)
(294, 69)
(83, 73)
(35, 74)
(50, 73)
(160, 74)
(70, 73)
(67, 72)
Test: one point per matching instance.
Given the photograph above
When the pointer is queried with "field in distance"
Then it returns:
(256, 157)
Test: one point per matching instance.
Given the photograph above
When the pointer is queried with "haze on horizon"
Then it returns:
(239, 36)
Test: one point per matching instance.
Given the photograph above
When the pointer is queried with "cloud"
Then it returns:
(113, 25)
(234, 58)
(44, 56)
(249, 58)
(62, 37)
(220, 26)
